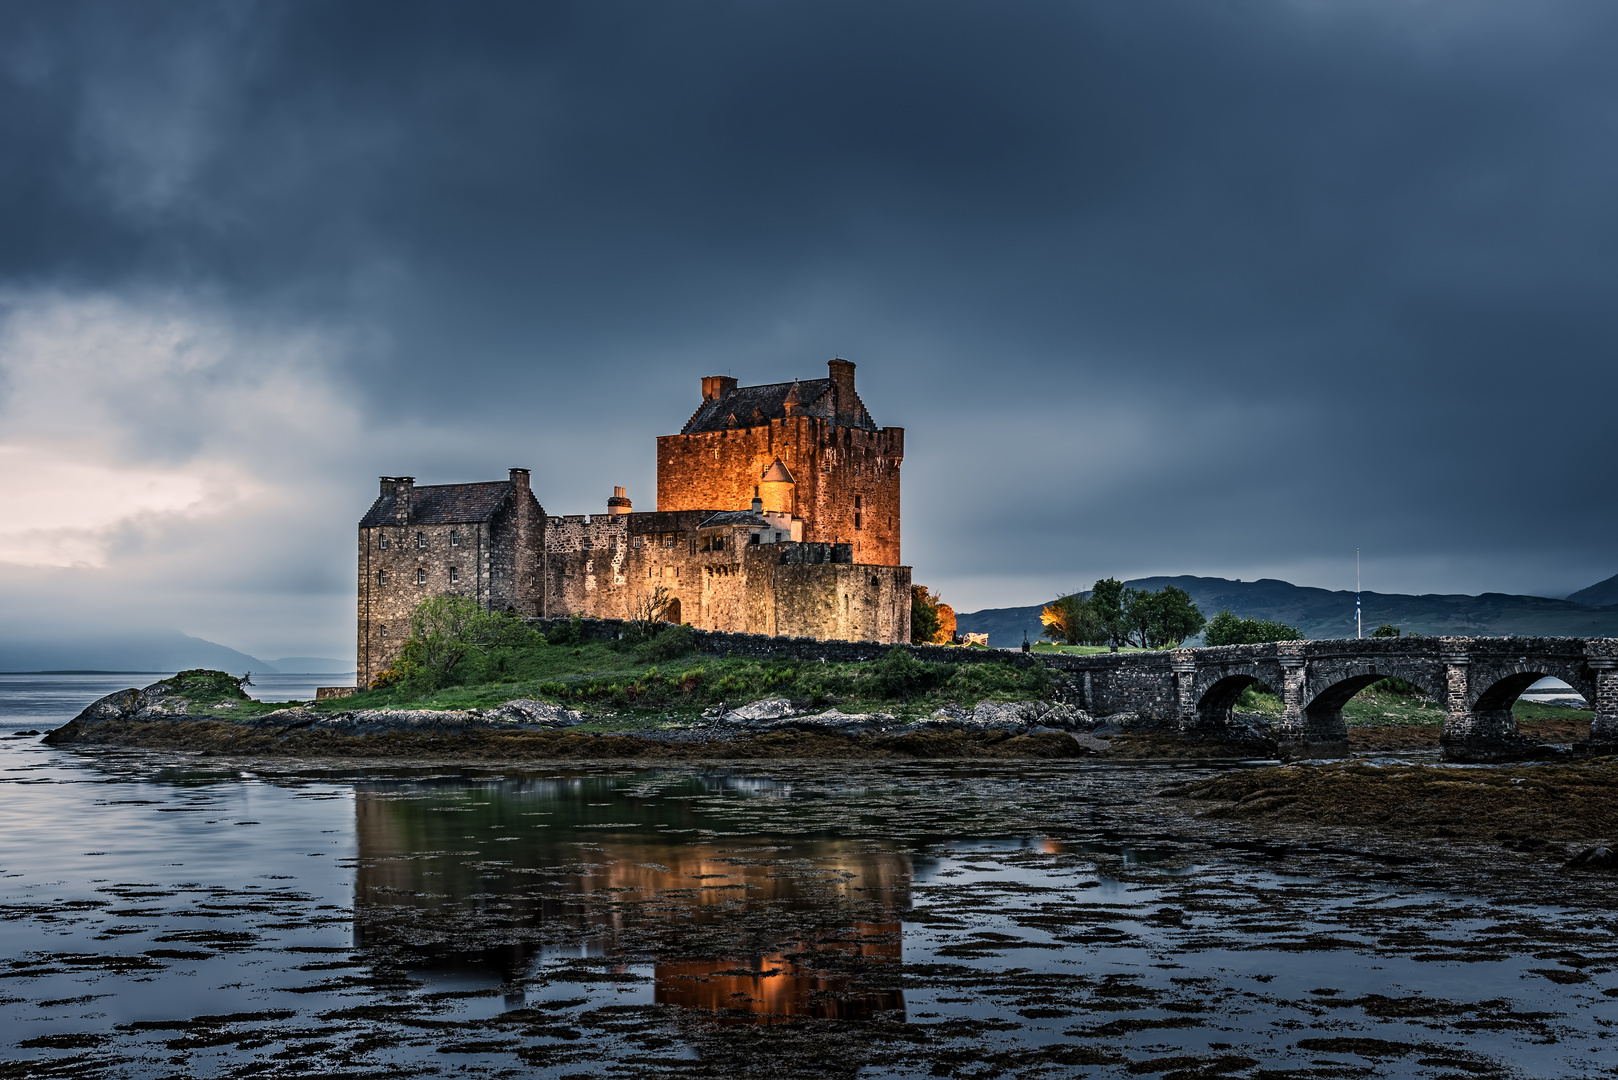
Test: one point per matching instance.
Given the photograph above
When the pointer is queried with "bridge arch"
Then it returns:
(1218, 699)
(1330, 686)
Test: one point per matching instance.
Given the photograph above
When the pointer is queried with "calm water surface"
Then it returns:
(186, 916)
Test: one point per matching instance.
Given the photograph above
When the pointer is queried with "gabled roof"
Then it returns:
(777, 474)
(754, 406)
(735, 517)
(442, 504)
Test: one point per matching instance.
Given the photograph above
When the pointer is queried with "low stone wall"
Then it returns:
(764, 647)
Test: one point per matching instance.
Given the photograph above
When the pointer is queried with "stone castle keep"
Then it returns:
(777, 513)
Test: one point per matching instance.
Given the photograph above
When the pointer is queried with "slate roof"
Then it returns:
(754, 406)
(442, 504)
(777, 474)
(735, 517)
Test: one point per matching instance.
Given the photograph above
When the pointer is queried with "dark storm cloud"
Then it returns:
(1154, 287)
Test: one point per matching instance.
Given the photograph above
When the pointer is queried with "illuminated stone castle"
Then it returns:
(777, 513)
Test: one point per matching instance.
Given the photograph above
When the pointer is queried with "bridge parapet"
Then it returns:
(1477, 678)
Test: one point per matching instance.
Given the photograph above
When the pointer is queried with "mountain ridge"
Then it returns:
(1325, 613)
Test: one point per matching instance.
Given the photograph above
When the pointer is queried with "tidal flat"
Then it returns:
(169, 914)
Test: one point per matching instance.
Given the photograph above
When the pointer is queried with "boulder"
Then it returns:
(535, 713)
(763, 709)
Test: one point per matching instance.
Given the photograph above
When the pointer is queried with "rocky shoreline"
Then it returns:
(161, 716)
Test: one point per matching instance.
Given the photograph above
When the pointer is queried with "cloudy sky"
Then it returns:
(1155, 287)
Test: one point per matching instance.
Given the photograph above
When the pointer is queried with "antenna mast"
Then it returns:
(1359, 629)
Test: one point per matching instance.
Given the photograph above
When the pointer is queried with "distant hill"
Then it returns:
(1321, 613)
(148, 650)
(1601, 594)
(313, 665)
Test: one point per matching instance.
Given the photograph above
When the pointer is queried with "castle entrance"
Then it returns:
(672, 612)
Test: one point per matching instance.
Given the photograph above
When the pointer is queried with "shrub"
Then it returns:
(900, 675)
(1226, 629)
(670, 643)
(206, 686)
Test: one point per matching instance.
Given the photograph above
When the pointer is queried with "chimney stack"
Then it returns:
(400, 487)
(715, 387)
(619, 503)
(758, 503)
(519, 479)
(842, 380)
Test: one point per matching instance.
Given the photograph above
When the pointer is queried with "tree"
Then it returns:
(923, 615)
(1161, 619)
(1072, 620)
(648, 608)
(444, 630)
(1226, 629)
(1107, 601)
(1385, 630)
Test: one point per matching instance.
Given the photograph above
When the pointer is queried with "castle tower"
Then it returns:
(809, 447)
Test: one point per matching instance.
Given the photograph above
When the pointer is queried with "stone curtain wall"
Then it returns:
(602, 567)
(834, 468)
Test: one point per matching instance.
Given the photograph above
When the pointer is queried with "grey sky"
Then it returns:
(1217, 288)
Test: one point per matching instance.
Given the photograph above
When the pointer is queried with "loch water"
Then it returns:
(178, 915)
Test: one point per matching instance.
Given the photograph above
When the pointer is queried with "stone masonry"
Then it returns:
(485, 541)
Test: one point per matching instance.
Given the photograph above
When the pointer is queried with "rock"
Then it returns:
(1593, 858)
(763, 709)
(1013, 716)
(536, 713)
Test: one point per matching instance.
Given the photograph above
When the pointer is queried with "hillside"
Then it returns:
(148, 650)
(1601, 594)
(1322, 613)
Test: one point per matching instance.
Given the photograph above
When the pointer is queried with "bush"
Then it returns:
(1226, 629)
(900, 675)
(206, 686)
(670, 643)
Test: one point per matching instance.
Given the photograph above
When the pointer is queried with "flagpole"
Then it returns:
(1359, 629)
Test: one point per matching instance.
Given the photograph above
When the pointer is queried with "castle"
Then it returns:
(777, 513)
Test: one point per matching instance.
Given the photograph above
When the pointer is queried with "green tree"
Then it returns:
(445, 630)
(923, 614)
(1107, 601)
(1161, 619)
(1072, 620)
(1226, 629)
(1385, 630)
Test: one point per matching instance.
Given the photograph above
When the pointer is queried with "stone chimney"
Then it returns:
(842, 380)
(519, 479)
(715, 387)
(401, 488)
(758, 503)
(619, 503)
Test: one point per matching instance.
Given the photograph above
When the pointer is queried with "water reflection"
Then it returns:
(473, 882)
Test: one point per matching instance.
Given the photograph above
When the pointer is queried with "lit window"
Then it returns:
(381, 577)
(421, 540)
(421, 576)
(454, 538)
(454, 575)
(382, 543)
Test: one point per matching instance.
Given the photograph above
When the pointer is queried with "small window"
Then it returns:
(381, 577)
(668, 541)
(755, 538)
(612, 542)
(454, 575)
(421, 576)
(857, 521)
(874, 582)
(384, 629)
(382, 543)
(637, 542)
(454, 538)
(421, 540)
(857, 504)
(777, 538)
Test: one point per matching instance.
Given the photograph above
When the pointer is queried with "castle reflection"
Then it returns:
(480, 880)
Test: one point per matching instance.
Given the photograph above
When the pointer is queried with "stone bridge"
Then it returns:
(1476, 678)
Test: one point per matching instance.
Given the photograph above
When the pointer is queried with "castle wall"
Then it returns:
(847, 479)
(602, 567)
